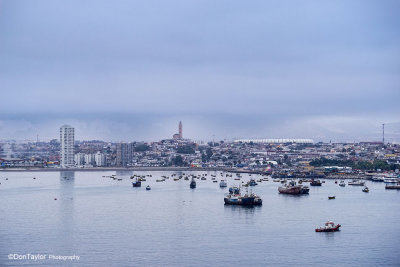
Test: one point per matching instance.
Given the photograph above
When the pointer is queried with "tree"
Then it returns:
(141, 148)
(185, 150)
(177, 161)
(209, 152)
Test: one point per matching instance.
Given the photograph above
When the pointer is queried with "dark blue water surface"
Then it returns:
(109, 223)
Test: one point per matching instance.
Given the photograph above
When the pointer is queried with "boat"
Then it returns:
(356, 182)
(223, 183)
(293, 189)
(315, 182)
(331, 197)
(389, 186)
(193, 183)
(390, 180)
(329, 227)
(365, 189)
(252, 182)
(342, 183)
(236, 198)
(137, 183)
(377, 178)
(148, 187)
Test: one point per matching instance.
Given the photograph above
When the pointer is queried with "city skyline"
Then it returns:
(326, 71)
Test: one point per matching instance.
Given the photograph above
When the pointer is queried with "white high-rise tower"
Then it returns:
(67, 141)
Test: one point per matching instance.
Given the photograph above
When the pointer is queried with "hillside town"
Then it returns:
(283, 157)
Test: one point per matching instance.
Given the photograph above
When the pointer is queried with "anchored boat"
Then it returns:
(356, 182)
(293, 189)
(137, 183)
(223, 183)
(315, 182)
(235, 198)
(193, 183)
(329, 227)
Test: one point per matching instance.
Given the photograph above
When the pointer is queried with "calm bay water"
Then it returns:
(109, 223)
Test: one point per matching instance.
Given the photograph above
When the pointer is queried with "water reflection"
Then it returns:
(66, 210)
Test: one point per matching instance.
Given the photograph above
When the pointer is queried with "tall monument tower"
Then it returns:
(180, 129)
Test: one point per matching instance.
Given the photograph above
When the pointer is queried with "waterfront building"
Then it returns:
(79, 159)
(67, 142)
(100, 159)
(124, 153)
(89, 159)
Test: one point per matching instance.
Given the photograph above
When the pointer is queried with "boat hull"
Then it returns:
(333, 229)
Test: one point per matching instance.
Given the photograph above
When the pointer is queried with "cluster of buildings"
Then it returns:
(270, 155)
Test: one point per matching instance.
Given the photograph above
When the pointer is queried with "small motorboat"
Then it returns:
(223, 184)
(329, 227)
(366, 190)
(137, 183)
(193, 183)
(148, 187)
(315, 182)
(342, 183)
(252, 182)
(331, 197)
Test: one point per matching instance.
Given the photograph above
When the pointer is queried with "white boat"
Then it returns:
(223, 183)
(390, 180)
(356, 182)
(377, 178)
(342, 183)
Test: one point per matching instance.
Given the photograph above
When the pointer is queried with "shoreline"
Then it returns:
(149, 169)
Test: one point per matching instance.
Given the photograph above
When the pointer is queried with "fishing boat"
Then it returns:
(315, 182)
(356, 182)
(390, 186)
(390, 180)
(193, 183)
(377, 178)
(329, 227)
(252, 182)
(365, 189)
(223, 183)
(137, 183)
(235, 198)
(148, 187)
(293, 189)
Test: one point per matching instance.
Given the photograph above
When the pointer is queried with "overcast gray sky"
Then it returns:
(130, 70)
